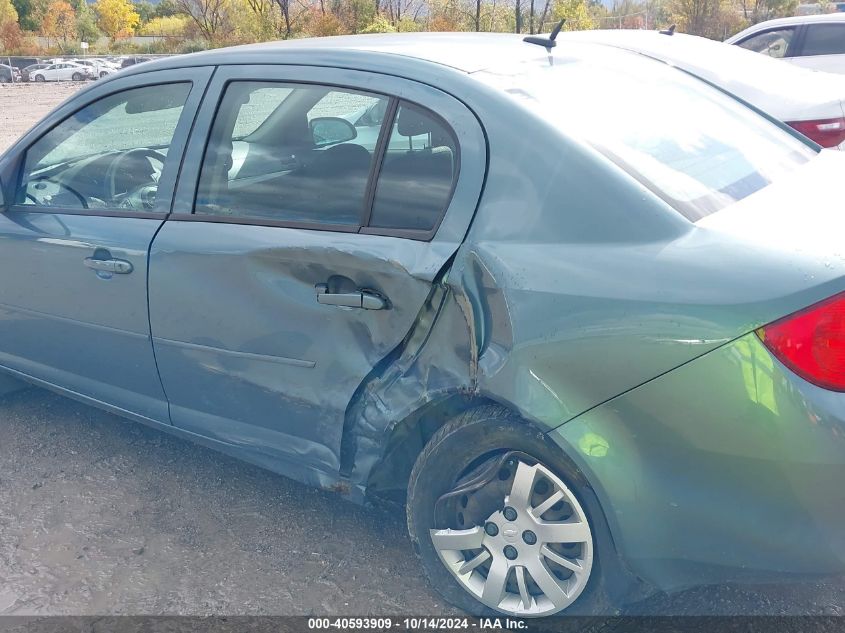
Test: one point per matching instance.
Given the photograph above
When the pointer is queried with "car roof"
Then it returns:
(465, 52)
(797, 19)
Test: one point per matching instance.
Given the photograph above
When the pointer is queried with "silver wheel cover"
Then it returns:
(544, 577)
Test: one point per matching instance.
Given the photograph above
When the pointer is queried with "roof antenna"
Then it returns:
(669, 31)
(547, 42)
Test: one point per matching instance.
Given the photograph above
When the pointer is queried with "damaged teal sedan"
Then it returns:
(579, 311)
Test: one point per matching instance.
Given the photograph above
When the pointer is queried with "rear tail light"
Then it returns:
(825, 132)
(811, 342)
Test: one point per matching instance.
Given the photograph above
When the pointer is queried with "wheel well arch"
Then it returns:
(388, 479)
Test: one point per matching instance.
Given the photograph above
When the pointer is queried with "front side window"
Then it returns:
(290, 153)
(772, 43)
(824, 39)
(108, 155)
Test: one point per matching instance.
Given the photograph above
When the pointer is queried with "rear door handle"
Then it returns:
(361, 299)
(116, 266)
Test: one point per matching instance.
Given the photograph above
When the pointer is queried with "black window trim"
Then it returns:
(380, 151)
(16, 206)
(382, 144)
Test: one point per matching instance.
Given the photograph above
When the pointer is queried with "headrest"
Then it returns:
(412, 122)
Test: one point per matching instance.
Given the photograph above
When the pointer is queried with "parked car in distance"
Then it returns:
(9, 74)
(100, 67)
(810, 41)
(27, 72)
(583, 319)
(811, 102)
(131, 61)
(63, 71)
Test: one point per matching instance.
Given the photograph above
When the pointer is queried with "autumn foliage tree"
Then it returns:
(10, 32)
(8, 13)
(213, 18)
(59, 22)
(116, 18)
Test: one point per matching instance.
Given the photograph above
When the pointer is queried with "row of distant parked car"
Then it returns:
(66, 69)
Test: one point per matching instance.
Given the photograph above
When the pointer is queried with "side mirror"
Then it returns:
(331, 130)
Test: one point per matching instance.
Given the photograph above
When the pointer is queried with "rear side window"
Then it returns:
(419, 169)
(824, 39)
(772, 43)
(697, 148)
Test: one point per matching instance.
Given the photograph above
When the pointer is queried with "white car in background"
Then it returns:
(811, 41)
(101, 67)
(811, 102)
(64, 71)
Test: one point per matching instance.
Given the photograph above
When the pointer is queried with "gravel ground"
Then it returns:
(23, 105)
(102, 516)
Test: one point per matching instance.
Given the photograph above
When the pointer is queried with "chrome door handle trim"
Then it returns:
(116, 266)
(361, 299)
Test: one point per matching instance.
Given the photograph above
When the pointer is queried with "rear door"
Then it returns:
(822, 47)
(299, 254)
(95, 181)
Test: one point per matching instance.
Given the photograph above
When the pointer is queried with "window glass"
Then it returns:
(694, 146)
(289, 153)
(262, 102)
(824, 39)
(772, 43)
(110, 154)
(415, 181)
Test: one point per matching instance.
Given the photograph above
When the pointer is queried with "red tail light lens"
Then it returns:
(825, 132)
(812, 342)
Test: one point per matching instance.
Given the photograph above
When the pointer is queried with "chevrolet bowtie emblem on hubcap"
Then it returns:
(510, 532)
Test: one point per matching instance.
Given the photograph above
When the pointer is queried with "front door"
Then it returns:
(303, 248)
(95, 184)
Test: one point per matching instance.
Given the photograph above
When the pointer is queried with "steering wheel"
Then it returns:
(111, 173)
(82, 200)
(139, 199)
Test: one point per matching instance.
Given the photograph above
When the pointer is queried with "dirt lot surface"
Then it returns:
(22, 105)
(102, 516)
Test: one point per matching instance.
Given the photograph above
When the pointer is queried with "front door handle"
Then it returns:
(360, 299)
(116, 266)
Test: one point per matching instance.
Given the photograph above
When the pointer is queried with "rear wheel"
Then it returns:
(76, 77)
(501, 522)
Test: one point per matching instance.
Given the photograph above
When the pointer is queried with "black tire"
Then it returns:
(76, 77)
(462, 441)
(103, 74)
(39, 78)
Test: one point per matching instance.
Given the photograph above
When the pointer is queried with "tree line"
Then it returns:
(189, 25)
